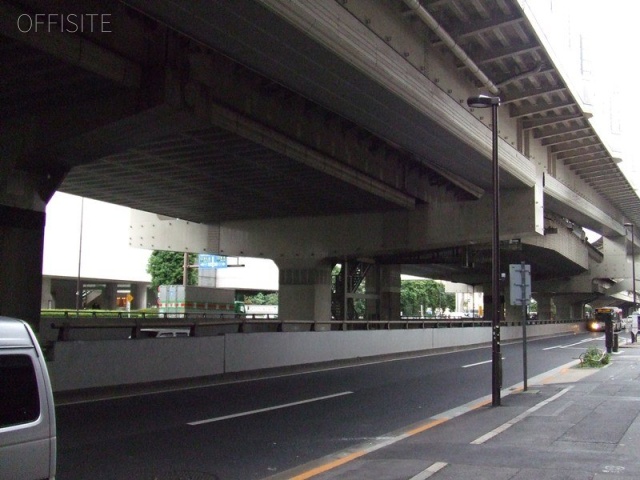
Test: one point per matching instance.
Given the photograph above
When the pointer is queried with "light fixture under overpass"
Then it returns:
(486, 101)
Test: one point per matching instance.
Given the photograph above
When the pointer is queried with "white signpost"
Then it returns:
(520, 293)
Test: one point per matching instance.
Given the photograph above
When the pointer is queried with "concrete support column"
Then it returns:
(563, 309)
(372, 306)
(139, 293)
(208, 277)
(46, 299)
(21, 247)
(544, 306)
(389, 291)
(569, 307)
(305, 293)
(110, 296)
(577, 311)
(487, 301)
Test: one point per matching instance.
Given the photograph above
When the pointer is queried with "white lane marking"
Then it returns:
(267, 409)
(479, 363)
(436, 467)
(476, 364)
(571, 345)
(522, 416)
(329, 462)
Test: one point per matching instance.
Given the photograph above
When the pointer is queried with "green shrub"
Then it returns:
(594, 358)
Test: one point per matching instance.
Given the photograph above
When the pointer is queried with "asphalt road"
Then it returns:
(250, 430)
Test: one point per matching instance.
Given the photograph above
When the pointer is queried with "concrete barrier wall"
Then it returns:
(255, 351)
(515, 333)
(92, 364)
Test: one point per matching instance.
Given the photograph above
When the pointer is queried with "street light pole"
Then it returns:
(79, 288)
(485, 101)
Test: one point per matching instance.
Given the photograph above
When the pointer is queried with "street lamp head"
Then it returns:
(628, 224)
(483, 101)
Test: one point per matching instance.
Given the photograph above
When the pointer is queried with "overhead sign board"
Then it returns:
(520, 284)
(212, 261)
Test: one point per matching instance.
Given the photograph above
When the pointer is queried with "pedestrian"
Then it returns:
(633, 328)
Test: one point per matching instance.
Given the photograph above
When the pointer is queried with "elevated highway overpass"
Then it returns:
(312, 133)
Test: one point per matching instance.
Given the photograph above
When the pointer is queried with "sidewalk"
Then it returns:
(573, 424)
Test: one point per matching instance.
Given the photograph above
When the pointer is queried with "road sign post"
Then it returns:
(520, 293)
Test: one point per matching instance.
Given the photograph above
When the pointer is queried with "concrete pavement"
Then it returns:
(571, 423)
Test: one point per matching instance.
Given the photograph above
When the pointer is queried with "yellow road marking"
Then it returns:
(426, 426)
(329, 466)
(341, 461)
(480, 404)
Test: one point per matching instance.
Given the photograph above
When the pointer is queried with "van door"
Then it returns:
(27, 421)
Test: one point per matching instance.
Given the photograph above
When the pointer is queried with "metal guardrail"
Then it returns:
(68, 321)
(136, 322)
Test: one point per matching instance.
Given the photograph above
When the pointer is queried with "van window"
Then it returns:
(19, 387)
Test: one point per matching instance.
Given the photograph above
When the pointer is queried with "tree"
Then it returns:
(166, 268)
(416, 295)
(262, 299)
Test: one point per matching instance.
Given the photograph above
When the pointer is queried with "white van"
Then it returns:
(27, 414)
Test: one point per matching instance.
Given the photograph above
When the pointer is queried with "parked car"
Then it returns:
(27, 415)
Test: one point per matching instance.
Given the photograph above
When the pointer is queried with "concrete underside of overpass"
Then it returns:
(280, 130)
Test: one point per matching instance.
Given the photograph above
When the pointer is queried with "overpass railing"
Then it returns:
(137, 323)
